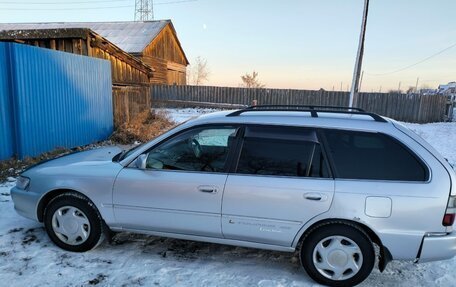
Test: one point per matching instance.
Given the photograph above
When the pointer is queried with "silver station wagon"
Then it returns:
(340, 186)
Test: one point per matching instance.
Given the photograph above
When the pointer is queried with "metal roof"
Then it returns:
(132, 37)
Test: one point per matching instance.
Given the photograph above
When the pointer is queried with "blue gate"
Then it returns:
(51, 99)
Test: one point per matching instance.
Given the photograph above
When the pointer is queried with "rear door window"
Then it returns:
(281, 151)
(363, 155)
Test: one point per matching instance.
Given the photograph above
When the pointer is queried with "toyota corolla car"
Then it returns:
(332, 183)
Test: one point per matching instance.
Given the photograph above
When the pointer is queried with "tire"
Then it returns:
(73, 223)
(337, 254)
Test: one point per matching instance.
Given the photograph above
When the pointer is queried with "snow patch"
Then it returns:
(181, 115)
(442, 136)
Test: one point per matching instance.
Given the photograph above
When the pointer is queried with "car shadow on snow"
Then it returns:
(185, 250)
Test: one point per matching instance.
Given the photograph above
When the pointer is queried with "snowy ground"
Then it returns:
(181, 115)
(442, 136)
(28, 258)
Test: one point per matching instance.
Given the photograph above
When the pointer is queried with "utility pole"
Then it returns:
(144, 10)
(361, 81)
(341, 86)
(359, 57)
(399, 88)
(380, 90)
(416, 86)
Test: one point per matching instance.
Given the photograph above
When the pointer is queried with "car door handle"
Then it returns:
(315, 196)
(207, 188)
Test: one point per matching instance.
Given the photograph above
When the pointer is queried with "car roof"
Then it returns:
(296, 118)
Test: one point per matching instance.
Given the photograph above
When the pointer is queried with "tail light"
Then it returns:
(448, 218)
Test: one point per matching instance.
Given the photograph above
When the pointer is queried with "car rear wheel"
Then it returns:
(338, 255)
(73, 223)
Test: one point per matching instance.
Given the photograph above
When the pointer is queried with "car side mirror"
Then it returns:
(141, 161)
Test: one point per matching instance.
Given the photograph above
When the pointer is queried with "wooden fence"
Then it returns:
(402, 107)
(128, 102)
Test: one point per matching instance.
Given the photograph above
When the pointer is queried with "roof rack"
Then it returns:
(314, 110)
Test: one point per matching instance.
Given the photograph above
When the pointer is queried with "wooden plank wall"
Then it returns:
(163, 74)
(166, 56)
(160, 67)
(128, 102)
(122, 72)
(70, 45)
(402, 107)
(165, 46)
(176, 77)
(405, 107)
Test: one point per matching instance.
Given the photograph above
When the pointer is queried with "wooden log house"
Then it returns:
(141, 53)
(155, 43)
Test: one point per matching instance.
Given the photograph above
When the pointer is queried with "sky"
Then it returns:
(296, 44)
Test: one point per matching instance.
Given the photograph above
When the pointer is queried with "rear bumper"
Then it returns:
(25, 202)
(438, 247)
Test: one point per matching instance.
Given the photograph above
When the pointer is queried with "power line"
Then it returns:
(174, 2)
(88, 2)
(60, 9)
(86, 8)
(417, 63)
(55, 3)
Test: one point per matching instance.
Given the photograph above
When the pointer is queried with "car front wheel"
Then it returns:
(338, 255)
(73, 223)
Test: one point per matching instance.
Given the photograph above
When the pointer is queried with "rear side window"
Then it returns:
(361, 155)
(281, 152)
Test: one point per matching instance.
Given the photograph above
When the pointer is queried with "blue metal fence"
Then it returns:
(6, 128)
(56, 100)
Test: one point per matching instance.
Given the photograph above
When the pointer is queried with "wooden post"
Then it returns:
(52, 44)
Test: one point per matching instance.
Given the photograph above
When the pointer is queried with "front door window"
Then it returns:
(202, 149)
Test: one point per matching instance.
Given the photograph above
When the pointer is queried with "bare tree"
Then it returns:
(411, 90)
(251, 81)
(198, 73)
